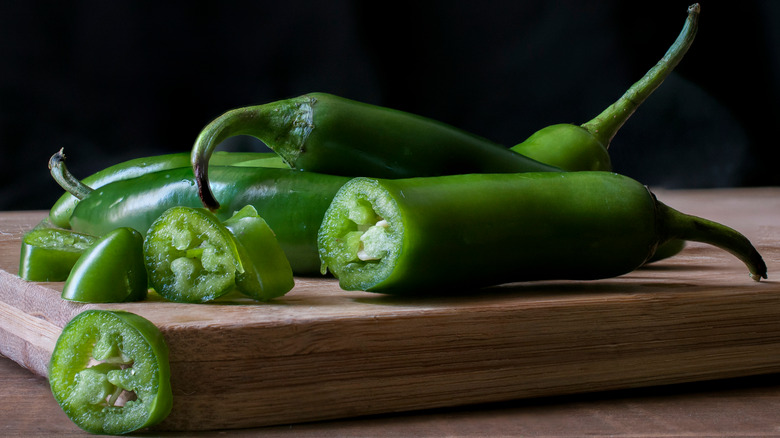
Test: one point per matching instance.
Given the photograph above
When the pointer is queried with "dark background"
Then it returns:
(120, 79)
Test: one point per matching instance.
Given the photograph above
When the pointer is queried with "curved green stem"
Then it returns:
(278, 122)
(687, 227)
(605, 125)
(64, 178)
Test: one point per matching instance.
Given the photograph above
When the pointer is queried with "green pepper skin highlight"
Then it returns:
(133, 358)
(323, 133)
(59, 214)
(110, 271)
(291, 202)
(584, 147)
(48, 254)
(471, 231)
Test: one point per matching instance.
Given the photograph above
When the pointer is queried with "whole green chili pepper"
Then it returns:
(291, 202)
(59, 215)
(323, 133)
(584, 147)
(110, 271)
(470, 231)
(48, 254)
(109, 372)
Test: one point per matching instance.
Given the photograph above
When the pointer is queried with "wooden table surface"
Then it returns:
(744, 406)
(729, 408)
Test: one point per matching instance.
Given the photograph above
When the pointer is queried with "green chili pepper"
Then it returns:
(323, 133)
(192, 257)
(48, 254)
(469, 231)
(60, 212)
(584, 147)
(291, 202)
(110, 373)
(110, 271)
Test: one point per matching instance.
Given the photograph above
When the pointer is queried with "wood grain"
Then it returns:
(321, 353)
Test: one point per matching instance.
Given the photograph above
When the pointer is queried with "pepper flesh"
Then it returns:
(323, 133)
(129, 387)
(407, 235)
(190, 256)
(48, 254)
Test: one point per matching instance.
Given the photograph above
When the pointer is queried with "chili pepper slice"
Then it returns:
(48, 254)
(190, 256)
(60, 212)
(584, 147)
(110, 271)
(267, 272)
(109, 372)
(323, 133)
(470, 231)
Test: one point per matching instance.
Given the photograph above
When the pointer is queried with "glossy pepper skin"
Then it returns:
(470, 231)
(291, 202)
(110, 271)
(323, 133)
(59, 214)
(48, 254)
(584, 147)
(267, 271)
(109, 372)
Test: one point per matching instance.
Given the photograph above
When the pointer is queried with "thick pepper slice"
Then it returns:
(190, 256)
(267, 272)
(110, 271)
(48, 254)
(471, 231)
(110, 373)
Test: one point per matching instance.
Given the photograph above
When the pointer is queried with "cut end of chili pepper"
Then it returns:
(361, 235)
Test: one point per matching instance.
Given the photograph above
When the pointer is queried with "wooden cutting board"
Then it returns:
(323, 353)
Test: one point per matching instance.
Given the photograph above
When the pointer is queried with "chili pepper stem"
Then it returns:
(606, 125)
(64, 178)
(692, 228)
(257, 121)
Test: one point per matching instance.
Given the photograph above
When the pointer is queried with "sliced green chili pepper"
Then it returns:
(190, 256)
(110, 271)
(110, 373)
(267, 272)
(584, 147)
(48, 254)
(63, 207)
(323, 133)
(468, 231)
